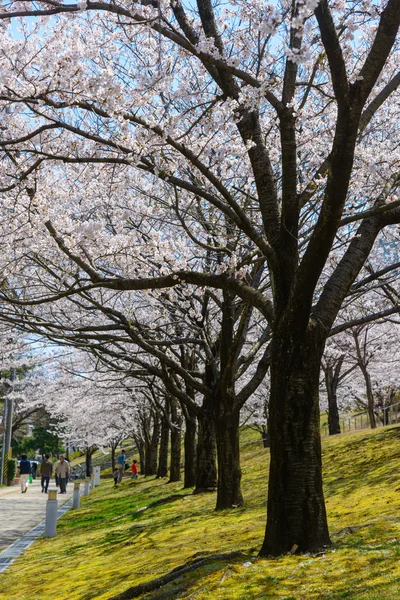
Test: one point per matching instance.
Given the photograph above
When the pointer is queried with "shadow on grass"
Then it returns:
(357, 589)
(124, 538)
(190, 567)
(161, 501)
(362, 469)
(378, 553)
(127, 537)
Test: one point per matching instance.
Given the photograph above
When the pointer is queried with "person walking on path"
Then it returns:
(46, 471)
(34, 467)
(24, 471)
(62, 472)
(135, 470)
(116, 475)
(121, 460)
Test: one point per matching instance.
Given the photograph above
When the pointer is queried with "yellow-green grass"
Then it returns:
(106, 546)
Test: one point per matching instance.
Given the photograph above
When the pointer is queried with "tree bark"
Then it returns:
(141, 449)
(370, 398)
(151, 448)
(88, 460)
(163, 453)
(190, 449)
(266, 437)
(176, 431)
(227, 412)
(206, 465)
(333, 411)
(296, 508)
(113, 448)
(363, 364)
(229, 473)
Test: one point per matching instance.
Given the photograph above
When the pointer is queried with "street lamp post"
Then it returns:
(3, 445)
(8, 417)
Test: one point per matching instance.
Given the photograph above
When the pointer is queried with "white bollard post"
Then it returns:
(86, 492)
(51, 514)
(97, 476)
(76, 500)
(92, 481)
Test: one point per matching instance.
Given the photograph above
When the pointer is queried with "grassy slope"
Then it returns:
(100, 457)
(106, 547)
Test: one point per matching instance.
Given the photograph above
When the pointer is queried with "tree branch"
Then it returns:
(333, 51)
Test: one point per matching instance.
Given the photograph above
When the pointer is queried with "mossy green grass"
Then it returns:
(113, 542)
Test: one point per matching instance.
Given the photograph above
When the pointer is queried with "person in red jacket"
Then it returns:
(135, 470)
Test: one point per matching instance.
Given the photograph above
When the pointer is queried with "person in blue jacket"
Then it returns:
(24, 472)
(121, 460)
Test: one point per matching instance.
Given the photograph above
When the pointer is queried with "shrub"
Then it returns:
(12, 469)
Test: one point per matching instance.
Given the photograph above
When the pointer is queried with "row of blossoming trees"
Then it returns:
(199, 194)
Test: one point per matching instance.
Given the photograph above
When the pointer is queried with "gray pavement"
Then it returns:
(19, 513)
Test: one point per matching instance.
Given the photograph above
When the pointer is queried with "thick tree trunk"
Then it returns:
(333, 414)
(175, 461)
(113, 447)
(229, 473)
(363, 364)
(142, 456)
(370, 398)
(151, 448)
(151, 459)
(333, 411)
(266, 438)
(176, 437)
(163, 453)
(296, 508)
(227, 415)
(190, 450)
(88, 461)
(206, 465)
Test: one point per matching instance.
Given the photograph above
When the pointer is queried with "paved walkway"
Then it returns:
(19, 513)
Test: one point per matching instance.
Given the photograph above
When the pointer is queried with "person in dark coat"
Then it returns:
(46, 470)
(34, 467)
(24, 472)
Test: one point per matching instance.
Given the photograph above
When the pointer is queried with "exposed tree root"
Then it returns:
(144, 588)
(207, 490)
(353, 529)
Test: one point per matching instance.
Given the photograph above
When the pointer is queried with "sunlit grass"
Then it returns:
(107, 546)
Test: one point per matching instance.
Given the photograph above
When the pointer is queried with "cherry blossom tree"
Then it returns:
(336, 366)
(23, 383)
(275, 126)
(188, 335)
(255, 412)
(91, 409)
(376, 352)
